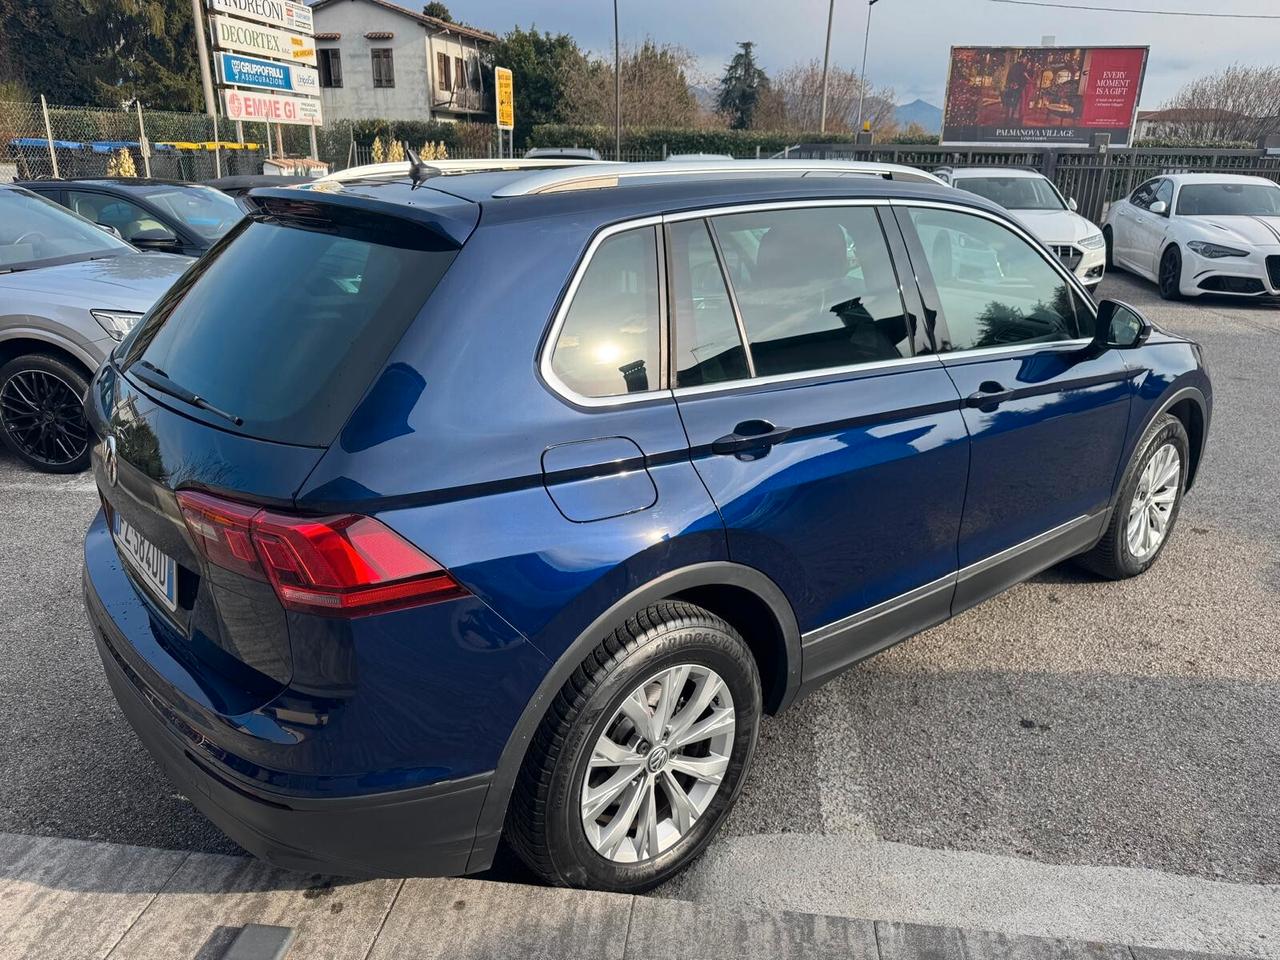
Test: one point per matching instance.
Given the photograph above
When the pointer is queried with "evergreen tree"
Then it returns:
(742, 87)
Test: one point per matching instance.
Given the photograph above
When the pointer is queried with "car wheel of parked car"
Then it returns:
(641, 755)
(1108, 242)
(1147, 508)
(42, 413)
(1171, 274)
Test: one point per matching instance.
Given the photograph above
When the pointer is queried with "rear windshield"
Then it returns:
(285, 326)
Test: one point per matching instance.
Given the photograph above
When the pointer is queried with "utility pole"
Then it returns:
(617, 88)
(862, 84)
(826, 62)
(202, 47)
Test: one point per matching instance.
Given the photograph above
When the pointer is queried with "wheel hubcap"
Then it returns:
(1153, 502)
(658, 764)
(43, 416)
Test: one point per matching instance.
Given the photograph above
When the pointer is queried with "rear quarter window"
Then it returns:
(285, 325)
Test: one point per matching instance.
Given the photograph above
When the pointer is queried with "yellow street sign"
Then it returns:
(505, 88)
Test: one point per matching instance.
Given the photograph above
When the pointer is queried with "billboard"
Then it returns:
(270, 108)
(1042, 96)
(274, 13)
(240, 71)
(229, 34)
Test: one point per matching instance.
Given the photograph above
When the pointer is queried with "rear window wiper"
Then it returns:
(153, 376)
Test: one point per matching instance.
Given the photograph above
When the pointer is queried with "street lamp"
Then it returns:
(826, 60)
(862, 84)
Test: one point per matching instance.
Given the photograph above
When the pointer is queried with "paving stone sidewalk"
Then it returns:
(77, 900)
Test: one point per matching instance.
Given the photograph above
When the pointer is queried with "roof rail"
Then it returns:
(450, 166)
(603, 175)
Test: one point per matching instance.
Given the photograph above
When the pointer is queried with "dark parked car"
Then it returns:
(167, 215)
(238, 186)
(509, 504)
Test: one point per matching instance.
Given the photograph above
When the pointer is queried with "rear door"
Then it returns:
(1047, 416)
(828, 435)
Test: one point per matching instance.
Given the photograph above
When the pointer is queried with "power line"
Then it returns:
(1153, 13)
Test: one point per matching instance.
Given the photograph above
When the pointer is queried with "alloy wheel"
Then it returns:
(44, 417)
(658, 763)
(1153, 502)
(1170, 274)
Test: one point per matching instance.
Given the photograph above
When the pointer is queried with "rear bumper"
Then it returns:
(424, 831)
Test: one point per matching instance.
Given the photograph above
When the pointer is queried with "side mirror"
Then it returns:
(107, 228)
(154, 240)
(1119, 327)
(1159, 208)
(1072, 205)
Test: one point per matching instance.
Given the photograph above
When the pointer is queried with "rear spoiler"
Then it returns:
(441, 222)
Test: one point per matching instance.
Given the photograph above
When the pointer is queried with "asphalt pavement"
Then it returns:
(1069, 722)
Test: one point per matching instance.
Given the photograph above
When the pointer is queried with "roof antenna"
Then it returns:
(418, 171)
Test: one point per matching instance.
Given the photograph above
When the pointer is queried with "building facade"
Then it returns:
(378, 60)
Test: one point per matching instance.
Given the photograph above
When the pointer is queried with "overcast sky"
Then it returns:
(909, 38)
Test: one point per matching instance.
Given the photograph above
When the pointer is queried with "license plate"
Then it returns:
(156, 570)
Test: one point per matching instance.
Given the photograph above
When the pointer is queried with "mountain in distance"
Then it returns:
(922, 112)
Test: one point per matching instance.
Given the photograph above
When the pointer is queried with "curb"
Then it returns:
(63, 899)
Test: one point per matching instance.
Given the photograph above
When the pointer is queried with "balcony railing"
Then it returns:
(463, 101)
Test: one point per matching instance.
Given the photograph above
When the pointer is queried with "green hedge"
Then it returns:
(652, 140)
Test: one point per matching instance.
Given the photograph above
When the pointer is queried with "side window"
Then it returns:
(1143, 196)
(708, 346)
(994, 288)
(816, 288)
(609, 343)
(127, 217)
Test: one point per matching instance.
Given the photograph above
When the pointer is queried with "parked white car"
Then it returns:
(1038, 205)
(1197, 233)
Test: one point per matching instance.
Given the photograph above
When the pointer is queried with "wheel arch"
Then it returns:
(1188, 404)
(743, 596)
(22, 342)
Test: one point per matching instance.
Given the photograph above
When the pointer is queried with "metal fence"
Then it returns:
(38, 140)
(1094, 179)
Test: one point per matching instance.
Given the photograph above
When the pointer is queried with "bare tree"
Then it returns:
(800, 90)
(1237, 103)
(655, 88)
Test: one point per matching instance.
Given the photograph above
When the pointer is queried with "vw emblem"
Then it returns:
(110, 464)
(657, 759)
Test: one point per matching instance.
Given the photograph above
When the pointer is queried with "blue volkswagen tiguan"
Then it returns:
(507, 503)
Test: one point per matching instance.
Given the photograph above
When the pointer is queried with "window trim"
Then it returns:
(552, 336)
(910, 271)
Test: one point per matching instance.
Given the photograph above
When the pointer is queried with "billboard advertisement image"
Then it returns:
(1042, 96)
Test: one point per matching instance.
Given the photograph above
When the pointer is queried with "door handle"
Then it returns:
(750, 435)
(989, 396)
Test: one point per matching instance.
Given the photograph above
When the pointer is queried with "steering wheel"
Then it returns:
(31, 233)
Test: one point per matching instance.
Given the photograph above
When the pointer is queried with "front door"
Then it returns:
(1150, 229)
(833, 447)
(1124, 225)
(1046, 415)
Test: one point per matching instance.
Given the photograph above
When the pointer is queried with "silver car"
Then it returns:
(69, 291)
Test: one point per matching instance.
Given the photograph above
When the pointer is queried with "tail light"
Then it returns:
(346, 565)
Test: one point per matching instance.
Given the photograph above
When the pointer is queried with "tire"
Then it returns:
(547, 824)
(1108, 242)
(1114, 556)
(1170, 275)
(42, 413)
